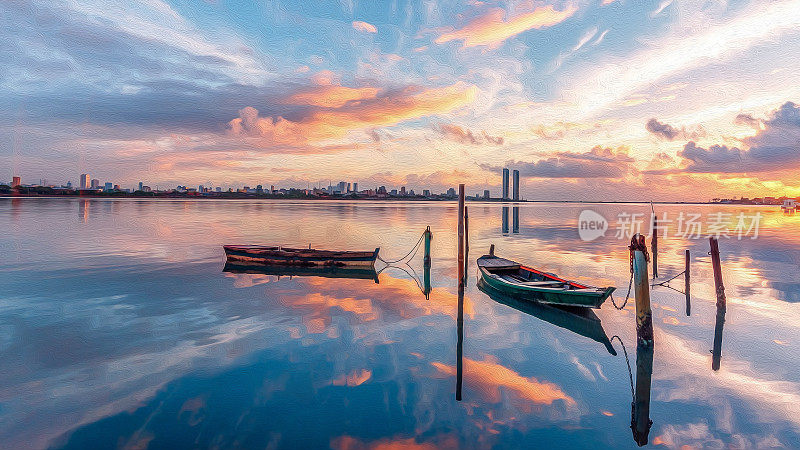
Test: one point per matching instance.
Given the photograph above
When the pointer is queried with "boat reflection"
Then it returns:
(582, 321)
(365, 273)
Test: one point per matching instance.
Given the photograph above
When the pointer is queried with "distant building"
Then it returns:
(95, 184)
(393, 192)
(355, 187)
(219, 189)
(486, 194)
(382, 190)
(505, 184)
(141, 185)
(516, 184)
(16, 181)
(349, 188)
(85, 182)
(108, 187)
(451, 192)
(271, 188)
(426, 192)
(403, 190)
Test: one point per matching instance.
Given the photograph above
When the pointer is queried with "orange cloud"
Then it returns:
(355, 378)
(331, 96)
(489, 377)
(351, 443)
(365, 113)
(491, 29)
(364, 27)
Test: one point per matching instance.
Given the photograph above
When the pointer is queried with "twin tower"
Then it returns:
(516, 185)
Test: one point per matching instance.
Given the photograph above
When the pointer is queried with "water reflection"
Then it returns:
(127, 334)
(514, 218)
(367, 273)
(719, 323)
(582, 321)
(640, 411)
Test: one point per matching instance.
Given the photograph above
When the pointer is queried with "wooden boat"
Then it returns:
(581, 321)
(283, 256)
(512, 278)
(353, 272)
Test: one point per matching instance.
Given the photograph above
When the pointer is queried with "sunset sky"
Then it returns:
(596, 100)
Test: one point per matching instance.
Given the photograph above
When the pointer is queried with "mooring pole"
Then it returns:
(644, 319)
(466, 237)
(722, 304)
(428, 238)
(720, 288)
(460, 233)
(687, 284)
(654, 247)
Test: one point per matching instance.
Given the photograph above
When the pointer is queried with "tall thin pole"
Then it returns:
(460, 233)
(654, 247)
(644, 320)
(722, 304)
(687, 283)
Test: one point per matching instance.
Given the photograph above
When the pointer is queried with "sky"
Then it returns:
(590, 100)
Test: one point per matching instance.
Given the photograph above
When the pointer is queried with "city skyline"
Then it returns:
(584, 98)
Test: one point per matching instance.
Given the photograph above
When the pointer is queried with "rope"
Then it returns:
(630, 374)
(413, 250)
(627, 296)
(635, 245)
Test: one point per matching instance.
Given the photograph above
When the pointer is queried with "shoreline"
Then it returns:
(367, 199)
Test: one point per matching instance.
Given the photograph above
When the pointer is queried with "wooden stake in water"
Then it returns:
(720, 288)
(428, 237)
(460, 233)
(644, 320)
(460, 342)
(687, 284)
(722, 304)
(654, 247)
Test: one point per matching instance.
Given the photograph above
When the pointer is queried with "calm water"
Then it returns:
(119, 328)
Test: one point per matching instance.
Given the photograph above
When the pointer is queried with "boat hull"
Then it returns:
(577, 295)
(276, 256)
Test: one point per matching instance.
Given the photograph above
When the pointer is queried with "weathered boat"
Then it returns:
(512, 278)
(352, 272)
(284, 256)
(581, 321)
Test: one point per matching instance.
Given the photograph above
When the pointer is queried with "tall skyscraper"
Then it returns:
(108, 187)
(355, 187)
(505, 184)
(95, 184)
(16, 181)
(486, 194)
(141, 185)
(515, 174)
(85, 182)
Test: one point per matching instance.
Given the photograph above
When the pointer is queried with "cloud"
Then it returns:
(775, 147)
(670, 133)
(465, 136)
(321, 123)
(330, 96)
(584, 39)
(603, 86)
(364, 27)
(493, 27)
(596, 163)
(489, 377)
